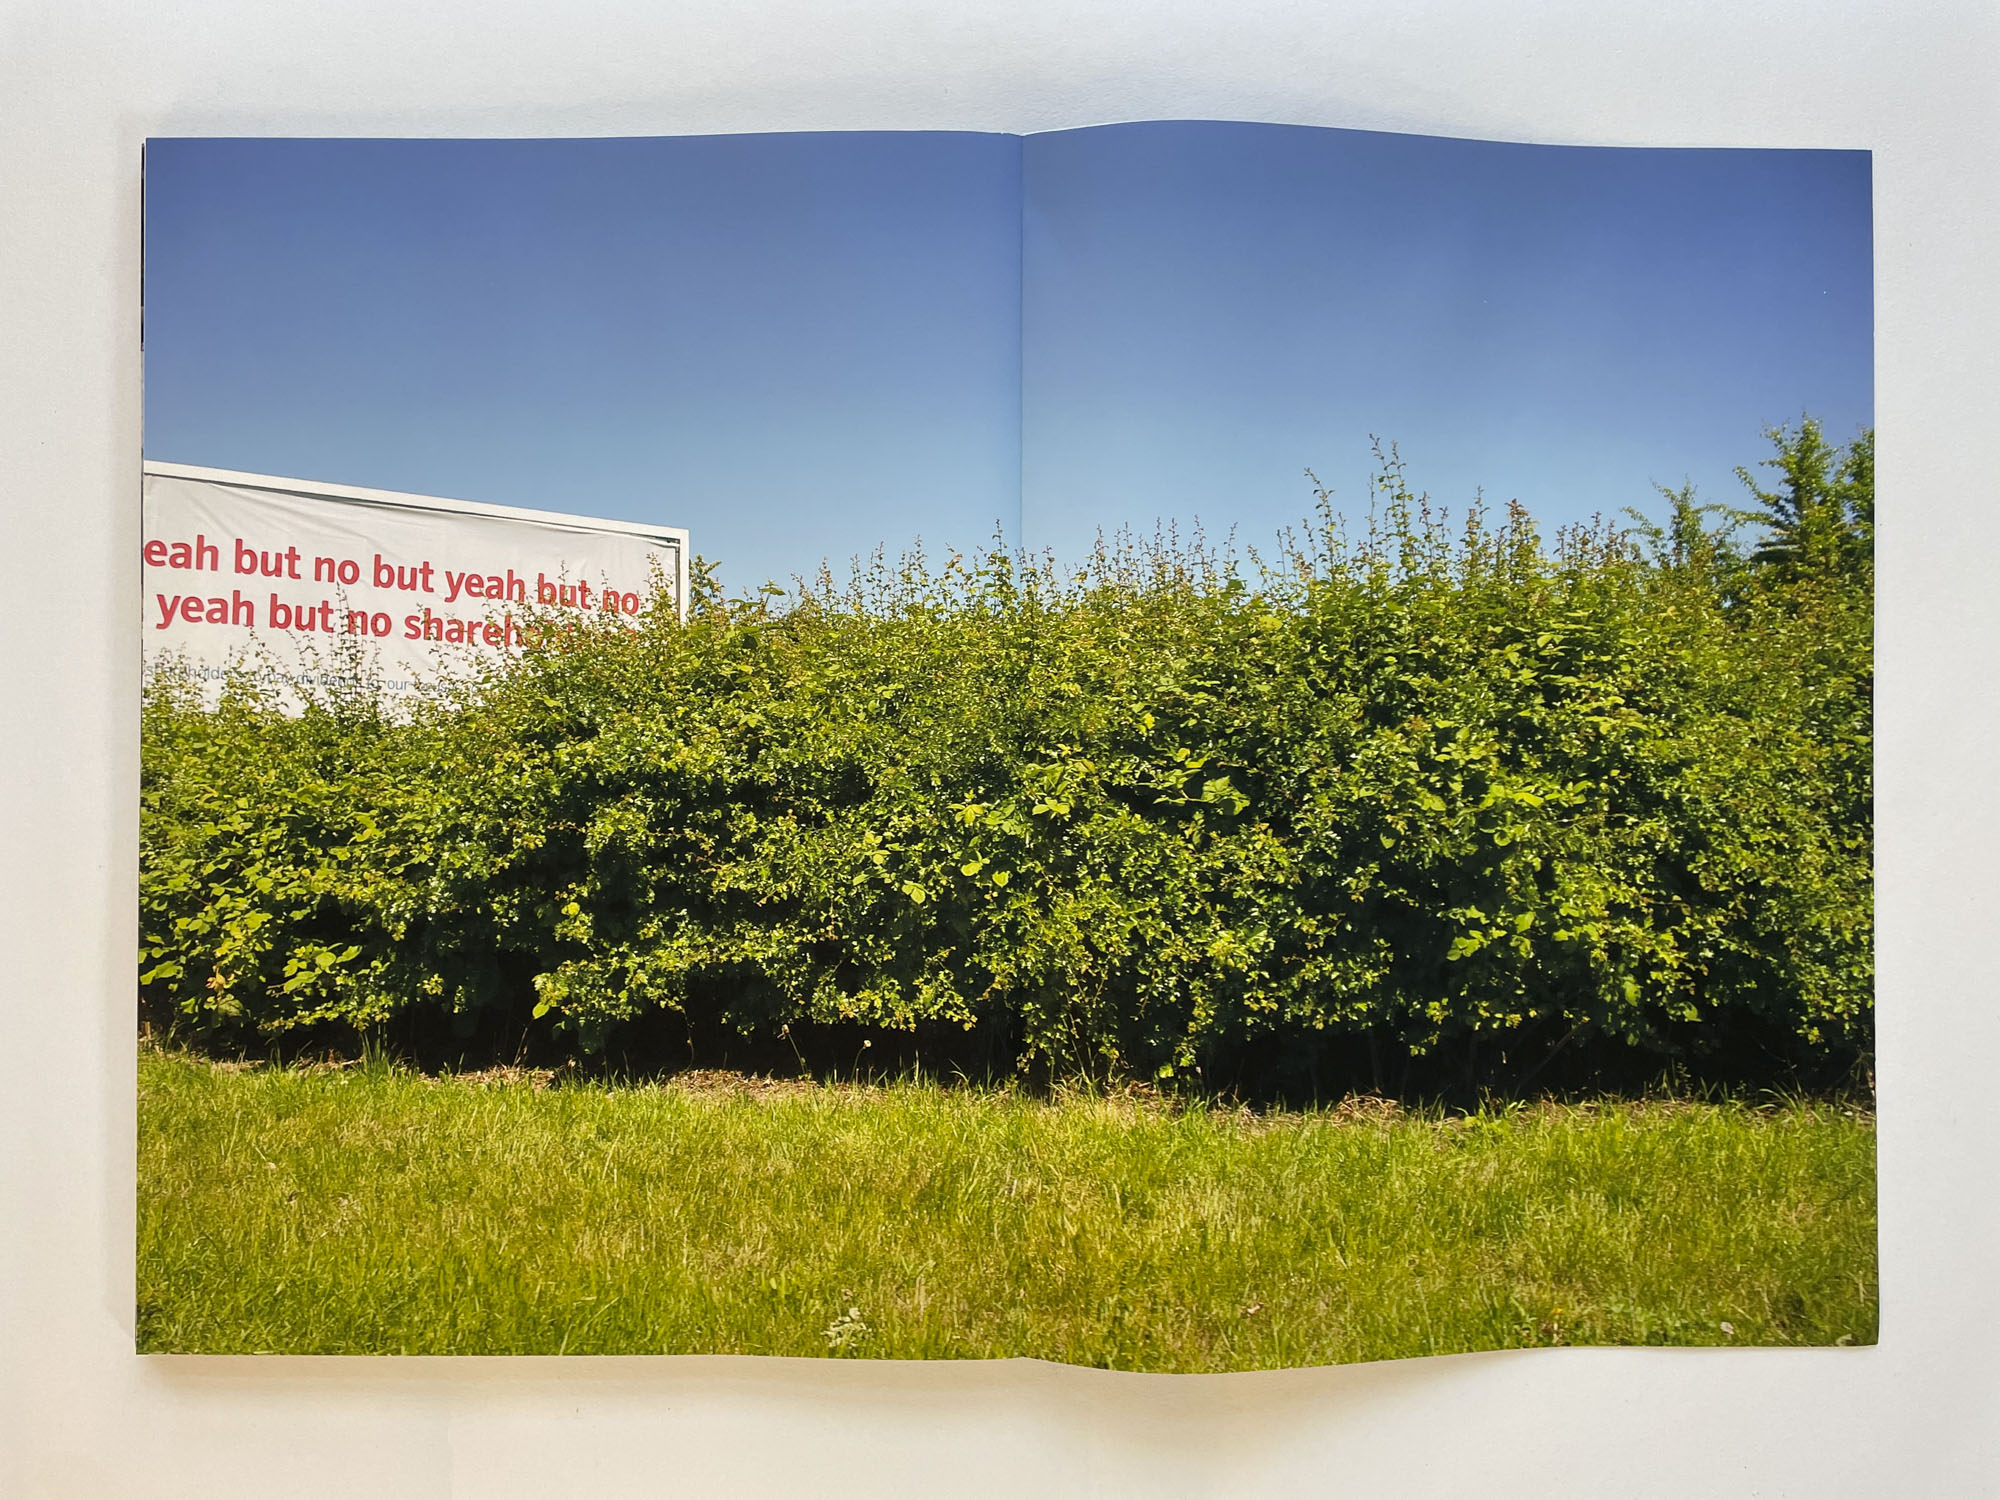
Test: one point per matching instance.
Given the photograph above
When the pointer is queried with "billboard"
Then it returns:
(307, 582)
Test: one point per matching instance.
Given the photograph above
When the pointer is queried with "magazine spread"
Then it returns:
(1182, 746)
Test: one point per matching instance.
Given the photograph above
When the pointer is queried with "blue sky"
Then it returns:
(1213, 308)
(797, 346)
(800, 346)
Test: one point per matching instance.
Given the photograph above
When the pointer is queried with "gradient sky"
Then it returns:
(801, 346)
(796, 346)
(1211, 308)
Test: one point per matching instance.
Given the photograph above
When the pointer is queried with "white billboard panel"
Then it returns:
(289, 577)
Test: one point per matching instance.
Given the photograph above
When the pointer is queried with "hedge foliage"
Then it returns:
(1414, 790)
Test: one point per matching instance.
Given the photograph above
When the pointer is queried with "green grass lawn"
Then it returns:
(373, 1210)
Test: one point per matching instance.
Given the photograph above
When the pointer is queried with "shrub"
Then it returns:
(1167, 813)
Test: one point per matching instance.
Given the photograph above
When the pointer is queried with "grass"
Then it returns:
(375, 1210)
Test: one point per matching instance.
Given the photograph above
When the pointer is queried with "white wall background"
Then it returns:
(82, 84)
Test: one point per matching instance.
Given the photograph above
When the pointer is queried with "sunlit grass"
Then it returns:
(380, 1211)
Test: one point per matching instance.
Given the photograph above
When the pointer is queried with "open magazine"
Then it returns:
(1181, 745)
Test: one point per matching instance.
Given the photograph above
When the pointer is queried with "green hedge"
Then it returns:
(1414, 790)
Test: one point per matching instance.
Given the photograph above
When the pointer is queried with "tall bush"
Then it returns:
(1414, 792)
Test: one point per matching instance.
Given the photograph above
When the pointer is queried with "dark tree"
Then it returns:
(1821, 518)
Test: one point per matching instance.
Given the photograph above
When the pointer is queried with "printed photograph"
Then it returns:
(1179, 746)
